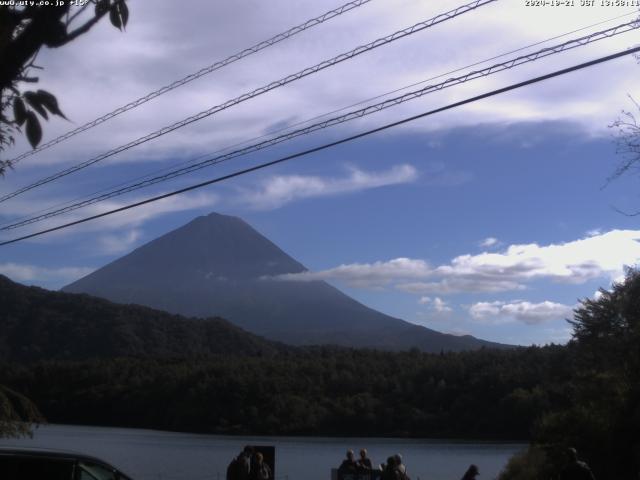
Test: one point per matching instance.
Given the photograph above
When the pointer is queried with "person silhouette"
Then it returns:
(471, 473)
(364, 462)
(349, 464)
(260, 470)
(575, 469)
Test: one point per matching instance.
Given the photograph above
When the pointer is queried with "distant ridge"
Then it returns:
(38, 324)
(215, 266)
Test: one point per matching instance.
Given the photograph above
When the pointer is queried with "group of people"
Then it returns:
(394, 469)
(249, 465)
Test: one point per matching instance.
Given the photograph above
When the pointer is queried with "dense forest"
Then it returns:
(585, 394)
(38, 324)
(487, 394)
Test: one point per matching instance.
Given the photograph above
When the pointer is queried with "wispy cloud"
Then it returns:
(42, 275)
(127, 219)
(278, 190)
(489, 242)
(519, 311)
(366, 275)
(118, 243)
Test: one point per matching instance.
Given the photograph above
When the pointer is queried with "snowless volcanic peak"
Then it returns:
(218, 265)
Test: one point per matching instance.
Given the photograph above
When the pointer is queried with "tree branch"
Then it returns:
(83, 29)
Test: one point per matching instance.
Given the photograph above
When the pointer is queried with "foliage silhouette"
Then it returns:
(24, 31)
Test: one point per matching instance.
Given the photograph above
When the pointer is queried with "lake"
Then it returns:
(157, 455)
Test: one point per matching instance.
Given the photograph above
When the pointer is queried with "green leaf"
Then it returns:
(33, 99)
(124, 13)
(33, 129)
(114, 16)
(119, 14)
(19, 111)
(50, 103)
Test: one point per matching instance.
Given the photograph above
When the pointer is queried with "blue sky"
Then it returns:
(490, 220)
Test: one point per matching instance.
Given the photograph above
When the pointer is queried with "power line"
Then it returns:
(333, 144)
(490, 70)
(309, 120)
(259, 91)
(200, 73)
(334, 121)
(480, 62)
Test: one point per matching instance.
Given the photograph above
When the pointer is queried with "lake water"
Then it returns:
(156, 455)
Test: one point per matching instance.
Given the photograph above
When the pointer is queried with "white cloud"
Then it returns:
(519, 311)
(366, 275)
(115, 244)
(440, 305)
(437, 304)
(279, 190)
(32, 273)
(482, 310)
(576, 262)
(489, 242)
(165, 42)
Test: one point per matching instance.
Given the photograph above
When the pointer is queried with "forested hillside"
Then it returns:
(38, 324)
(484, 394)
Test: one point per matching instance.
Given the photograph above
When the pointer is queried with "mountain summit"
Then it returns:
(218, 265)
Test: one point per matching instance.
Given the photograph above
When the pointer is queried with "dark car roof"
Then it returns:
(49, 453)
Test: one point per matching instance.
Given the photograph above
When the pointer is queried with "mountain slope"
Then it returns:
(219, 265)
(37, 324)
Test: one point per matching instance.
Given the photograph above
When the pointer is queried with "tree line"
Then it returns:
(323, 390)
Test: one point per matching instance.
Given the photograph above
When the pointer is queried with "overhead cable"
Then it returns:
(490, 70)
(195, 75)
(331, 144)
(259, 91)
(317, 117)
